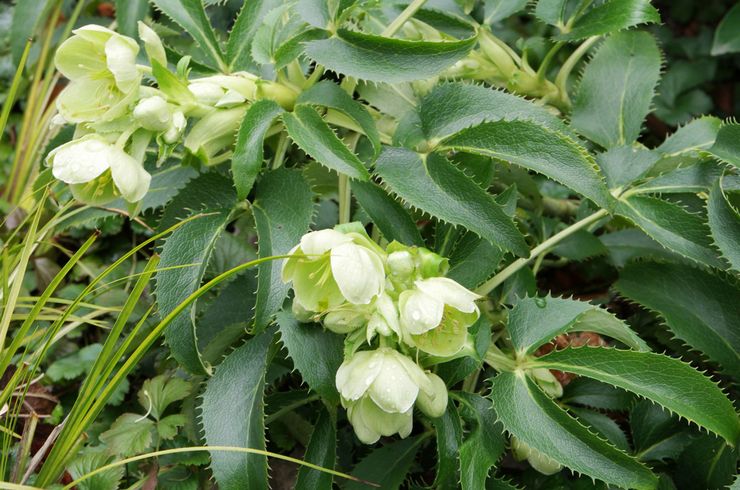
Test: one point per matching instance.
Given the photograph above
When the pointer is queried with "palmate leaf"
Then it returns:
(232, 414)
(612, 16)
(535, 321)
(280, 223)
(537, 148)
(530, 415)
(383, 59)
(700, 308)
(668, 382)
(724, 222)
(616, 89)
(439, 188)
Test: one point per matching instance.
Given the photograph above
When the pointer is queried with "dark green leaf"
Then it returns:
(604, 425)
(726, 147)
(311, 133)
(727, 34)
(437, 187)
(537, 148)
(330, 95)
(656, 434)
(247, 22)
(614, 15)
(672, 226)
(484, 445)
(527, 413)
(307, 342)
(617, 87)
(693, 179)
(700, 308)
(128, 13)
(382, 59)
(451, 107)
(387, 214)
(321, 451)
(387, 465)
(556, 12)
(232, 414)
(248, 151)
(699, 134)
(631, 243)
(595, 394)
(622, 165)
(669, 382)
(280, 224)
(724, 222)
(718, 468)
(160, 392)
(449, 437)
(191, 16)
(534, 321)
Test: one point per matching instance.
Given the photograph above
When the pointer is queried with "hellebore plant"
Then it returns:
(413, 181)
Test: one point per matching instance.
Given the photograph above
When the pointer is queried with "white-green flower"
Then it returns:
(331, 268)
(101, 65)
(379, 389)
(436, 314)
(433, 403)
(539, 461)
(99, 170)
(153, 114)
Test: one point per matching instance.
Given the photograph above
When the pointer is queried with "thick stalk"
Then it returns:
(512, 268)
(561, 80)
(399, 21)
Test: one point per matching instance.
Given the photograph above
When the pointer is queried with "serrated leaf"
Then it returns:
(672, 226)
(556, 12)
(483, 446)
(280, 224)
(717, 472)
(239, 46)
(700, 308)
(383, 59)
(451, 107)
(311, 133)
(128, 13)
(656, 434)
(537, 148)
(699, 134)
(449, 437)
(604, 425)
(308, 342)
(535, 321)
(386, 465)
(622, 165)
(439, 188)
(496, 10)
(233, 411)
(90, 461)
(210, 190)
(595, 394)
(692, 179)
(631, 243)
(249, 149)
(527, 413)
(616, 89)
(727, 34)
(168, 427)
(724, 223)
(612, 16)
(726, 147)
(330, 95)
(387, 214)
(130, 434)
(157, 393)
(321, 450)
(662, 379)
(191, 16)
(185, 256)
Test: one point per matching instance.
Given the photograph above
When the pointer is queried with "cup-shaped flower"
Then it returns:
(330, 268)
(436, 314)
(379, 389)
(98, 170)
(539, 461)
(102, 67)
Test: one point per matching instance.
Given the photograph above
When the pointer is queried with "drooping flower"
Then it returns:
(539, 461)
(379, 389)
(98, 171)
(330, 268)
(101, 65)
(436, 314)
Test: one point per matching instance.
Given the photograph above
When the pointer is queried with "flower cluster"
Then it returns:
(118, 113)
(394, 302)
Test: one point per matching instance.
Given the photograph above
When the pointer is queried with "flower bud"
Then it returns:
(433, 403)
(384, 319)
(345, 320)
(539, 461)
(401, 264)
(432, 264)
(547, 381)
(177, 127)
(206, 93)
(153, 114)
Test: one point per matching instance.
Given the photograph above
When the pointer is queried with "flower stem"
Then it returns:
(561, 80)
(399, 21)
(512, 268)
(345, 199)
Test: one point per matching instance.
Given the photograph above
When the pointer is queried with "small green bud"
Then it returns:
(153, 114)
(401, 264)
(433, 403)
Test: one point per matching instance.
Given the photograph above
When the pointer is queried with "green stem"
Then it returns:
(561, 80)
(345, 199)
(399, 21)
(512, 268)
(288, 408)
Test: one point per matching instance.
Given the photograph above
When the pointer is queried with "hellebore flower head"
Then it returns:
(379, 389)
(101, 65)
(436, 314)
(98, 170)
(331, 268)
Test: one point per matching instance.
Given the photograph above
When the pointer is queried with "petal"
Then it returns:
(449, 292)
(355, 375)
(419, 311)
(95, 33)
(388, 311)
(320, 242)
(358, 272)
(433, 403)
(80, 161)
(120, 53)
(386, 424)
(88, 100)
(77, 57)
(356, 417)
(307, 293)
(129, 176)
(289, 265)
(393, 389)
(152, 44)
